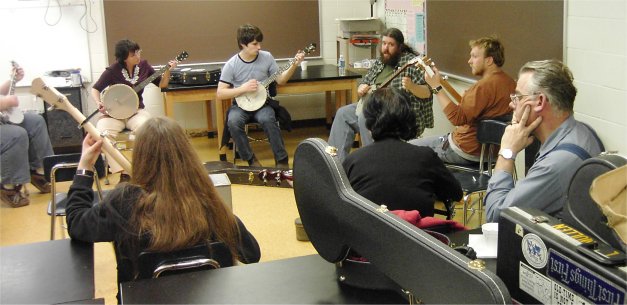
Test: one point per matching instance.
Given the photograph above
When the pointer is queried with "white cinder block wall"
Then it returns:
(595, 50)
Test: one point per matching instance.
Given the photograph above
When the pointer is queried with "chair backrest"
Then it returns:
(489, 134)
(67, 171)
(490, 131)
(200, 257)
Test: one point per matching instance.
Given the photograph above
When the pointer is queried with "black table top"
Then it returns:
(48, 272)
(313, 73)
(301, 280)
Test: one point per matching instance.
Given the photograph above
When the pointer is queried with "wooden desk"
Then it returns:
(49, 272)
(322, 78)
(300, 280)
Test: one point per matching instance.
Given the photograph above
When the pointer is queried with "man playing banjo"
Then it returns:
(242, 74)
(122, 110)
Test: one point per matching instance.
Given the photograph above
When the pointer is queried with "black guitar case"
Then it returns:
(337, 220)
(580, 210)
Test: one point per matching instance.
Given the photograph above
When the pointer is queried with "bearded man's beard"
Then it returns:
(392, 60)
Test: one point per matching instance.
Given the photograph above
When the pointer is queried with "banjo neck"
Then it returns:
(397, 72)
(276, 74)
(139, 87)
(13, 78)
(310, 48)
(144, 83)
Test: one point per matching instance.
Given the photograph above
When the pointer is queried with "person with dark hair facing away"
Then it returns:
(487, 98)
(129, 69)
(543, 109)
(242, 74)
(394, 53)
(22, 149)
(382, 172)
(169, 204)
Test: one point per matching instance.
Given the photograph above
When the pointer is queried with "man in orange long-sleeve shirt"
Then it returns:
(487, 98)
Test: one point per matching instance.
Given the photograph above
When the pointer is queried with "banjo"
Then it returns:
(12, 114)
(373, 87)
(58, 100)
(121, 101)
(252, 101)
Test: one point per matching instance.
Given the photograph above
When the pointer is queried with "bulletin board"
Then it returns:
(409, 17)
(41, 42)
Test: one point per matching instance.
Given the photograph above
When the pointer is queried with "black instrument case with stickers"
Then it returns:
(543, 260)
(338, 220)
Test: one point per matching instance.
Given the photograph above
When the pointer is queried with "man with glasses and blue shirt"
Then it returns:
(487, 98)
(543, 108)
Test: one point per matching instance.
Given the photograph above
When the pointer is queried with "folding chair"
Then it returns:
(200, 257)
(475, 182)
(61, 168)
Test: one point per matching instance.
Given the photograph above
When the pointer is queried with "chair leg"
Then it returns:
(480, 207)
(53, 204)
(474, 207)
(465, 200)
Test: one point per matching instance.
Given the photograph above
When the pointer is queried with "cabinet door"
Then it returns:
(64, 133)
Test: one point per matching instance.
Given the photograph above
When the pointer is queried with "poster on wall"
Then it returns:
(409, 17)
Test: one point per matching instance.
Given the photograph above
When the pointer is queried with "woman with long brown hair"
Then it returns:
(169, 204)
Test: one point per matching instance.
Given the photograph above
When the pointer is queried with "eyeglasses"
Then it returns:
(137, 53)
(517, 97)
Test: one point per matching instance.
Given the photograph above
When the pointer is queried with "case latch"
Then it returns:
(539, 219)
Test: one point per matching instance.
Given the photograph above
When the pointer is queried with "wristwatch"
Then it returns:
(507, 154)
(436, 89)
(85, 172)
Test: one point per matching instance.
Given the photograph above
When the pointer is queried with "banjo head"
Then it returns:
(253, 100)
(120, 101)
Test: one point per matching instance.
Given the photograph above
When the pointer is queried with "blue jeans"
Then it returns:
(345, 125)
(266, 117)
(23, 147)
(440, 145)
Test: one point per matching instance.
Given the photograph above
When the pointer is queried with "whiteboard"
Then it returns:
(37, 46)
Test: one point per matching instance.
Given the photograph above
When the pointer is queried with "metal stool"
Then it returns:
(247, 127)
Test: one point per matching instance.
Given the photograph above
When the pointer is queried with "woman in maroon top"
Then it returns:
(129, 69)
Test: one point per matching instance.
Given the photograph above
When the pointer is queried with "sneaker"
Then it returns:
(254, 162)
(39, 182)
(15, 197)
(124, 178)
